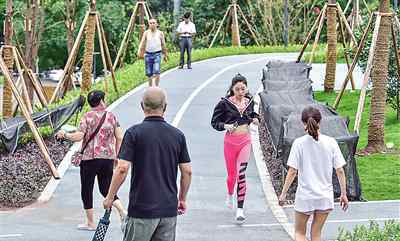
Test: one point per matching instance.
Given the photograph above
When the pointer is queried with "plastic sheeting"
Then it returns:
(287, 91)
(11, 129)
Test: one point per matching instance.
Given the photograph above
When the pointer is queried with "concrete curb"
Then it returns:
(269, 192)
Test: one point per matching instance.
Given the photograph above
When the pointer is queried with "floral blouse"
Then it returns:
(102, 146)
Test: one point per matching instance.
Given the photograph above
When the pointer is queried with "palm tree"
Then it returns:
(330, 72)
(87, 64)
(8, 58)
(379, 76)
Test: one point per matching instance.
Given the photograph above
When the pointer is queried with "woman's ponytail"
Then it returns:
(311, 117)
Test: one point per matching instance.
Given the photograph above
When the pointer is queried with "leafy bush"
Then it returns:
(390, 232)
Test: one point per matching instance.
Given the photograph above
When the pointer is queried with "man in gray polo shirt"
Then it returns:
(156, 150)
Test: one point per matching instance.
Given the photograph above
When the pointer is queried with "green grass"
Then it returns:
(1, 80)
(320, 55)
(379, 173)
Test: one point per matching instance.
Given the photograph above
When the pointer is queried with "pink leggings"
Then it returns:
(237, 150)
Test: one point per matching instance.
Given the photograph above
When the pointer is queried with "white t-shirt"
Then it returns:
(315, 161)
(186, 28)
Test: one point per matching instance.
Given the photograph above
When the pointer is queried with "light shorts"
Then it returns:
(309, 213)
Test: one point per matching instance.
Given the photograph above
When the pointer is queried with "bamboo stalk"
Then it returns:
(220, 26)
(366, 6)
(25, 94)
(248, 25)
(71, 59)
(308, 38)
(36, 84)
(321, 23)
(341, 14)
(103, 57)
(353, 85)
(396, 51)
(29, 120)
(108, 57)
(367, 75)
(125, 40)
(354, 63)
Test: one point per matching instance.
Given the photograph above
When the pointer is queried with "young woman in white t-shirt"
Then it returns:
(314, 156)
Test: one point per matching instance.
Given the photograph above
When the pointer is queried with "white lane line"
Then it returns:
(10, 235)
(182, 110)
(256, 225)
(269, 191)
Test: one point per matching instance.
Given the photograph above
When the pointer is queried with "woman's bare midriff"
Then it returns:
(240, 130)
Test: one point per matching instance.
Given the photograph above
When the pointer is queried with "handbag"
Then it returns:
(77, 156)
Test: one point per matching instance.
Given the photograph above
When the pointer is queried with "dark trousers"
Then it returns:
(185, 45)
(89, 169)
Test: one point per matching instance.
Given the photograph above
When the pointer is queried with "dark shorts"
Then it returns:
(152, 62)
(153, 229)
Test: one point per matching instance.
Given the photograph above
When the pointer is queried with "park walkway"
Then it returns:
(192, 95)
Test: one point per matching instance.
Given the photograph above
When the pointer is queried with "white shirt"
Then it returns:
(315, 161)
(153, 41)
(186, 28)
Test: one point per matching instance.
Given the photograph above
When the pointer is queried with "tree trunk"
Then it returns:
(34, 27)
(379, 76)
(87, 64)
(8, 59)
(70, 23)
(330, 72)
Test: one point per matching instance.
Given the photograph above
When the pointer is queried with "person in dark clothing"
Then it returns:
(186, 31)
(156, 150)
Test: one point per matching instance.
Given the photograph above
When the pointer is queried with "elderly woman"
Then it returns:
(99, 155)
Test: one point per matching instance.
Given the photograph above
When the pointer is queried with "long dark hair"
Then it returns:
(311, 117)
(237, 79)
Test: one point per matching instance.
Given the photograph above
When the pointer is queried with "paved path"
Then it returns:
(192, 95)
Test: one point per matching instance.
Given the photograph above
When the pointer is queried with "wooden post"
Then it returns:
(346, 24)
(353, 85)
(25, 93)
(366, 6)
(396, 50)
(321, 23)
(108, 56)
(220, 26)
(36, 84)
(71, 59)
(354, 63)
(235, 26)
(103, 56)
(29, 120)
(308, 38)
(367, 75)
(124, 44)
(397, 54)
(248, 26)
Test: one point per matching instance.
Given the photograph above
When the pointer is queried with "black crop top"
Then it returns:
(226, 112)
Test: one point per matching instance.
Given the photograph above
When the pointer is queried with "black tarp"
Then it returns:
(11, 129)
(287, 91)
